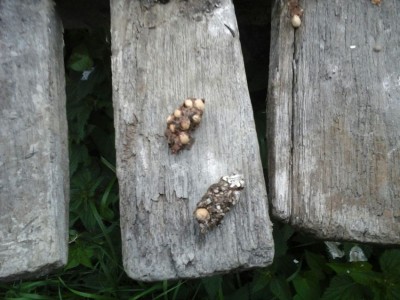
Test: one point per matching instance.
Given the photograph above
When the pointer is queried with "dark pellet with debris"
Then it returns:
(218, 200)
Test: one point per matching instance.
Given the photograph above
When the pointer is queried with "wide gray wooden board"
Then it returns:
(334, 119)
(161, 55)
(34, 189)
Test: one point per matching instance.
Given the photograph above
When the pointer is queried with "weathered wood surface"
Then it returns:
(161, 55)
(33, 140)
(334, 122)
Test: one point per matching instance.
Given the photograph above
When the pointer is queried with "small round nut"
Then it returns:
(296, 21)
(202, 214)
(199, 104)
(184, 138)
(172, 127)
(177, 113)
(185, 124)
(170, 119)
(196, 119)
(188, 103)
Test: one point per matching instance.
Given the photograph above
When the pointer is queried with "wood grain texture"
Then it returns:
(161, 55)
(34, 186)
(334, 121)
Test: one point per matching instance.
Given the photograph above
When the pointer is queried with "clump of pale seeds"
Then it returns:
(182, 122)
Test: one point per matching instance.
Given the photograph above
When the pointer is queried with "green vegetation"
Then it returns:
(303, 267)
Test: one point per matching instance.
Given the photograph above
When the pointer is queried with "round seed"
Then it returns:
(296, 21)
(202, 214)
(199, 104)
(177, 113)
(196, 119)
(184, 138)
(188, 103)
(185, 124)
(172, 127)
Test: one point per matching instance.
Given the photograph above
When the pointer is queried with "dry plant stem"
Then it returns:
(182, 123)
(218, 200)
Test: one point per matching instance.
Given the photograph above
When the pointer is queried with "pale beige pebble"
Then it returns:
(184, 138)
(188, 103)
(296, 21)
(196, 119)
(199, 104)
(202, 214)
(177, 113)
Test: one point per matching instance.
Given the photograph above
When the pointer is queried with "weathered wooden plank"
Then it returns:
(161, 55)
(33, 149)
(334, 119)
